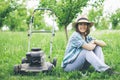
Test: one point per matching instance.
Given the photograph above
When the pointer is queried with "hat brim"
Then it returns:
(75, 23)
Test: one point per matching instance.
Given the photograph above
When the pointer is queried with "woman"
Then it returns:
(82, 49)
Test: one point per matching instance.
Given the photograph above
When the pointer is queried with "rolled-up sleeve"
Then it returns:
(77, 41)
(89, 38)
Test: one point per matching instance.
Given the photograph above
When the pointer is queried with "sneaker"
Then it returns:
(111, 72)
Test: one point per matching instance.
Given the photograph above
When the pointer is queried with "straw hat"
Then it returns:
(82, 20)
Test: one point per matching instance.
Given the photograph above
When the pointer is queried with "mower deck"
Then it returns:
(26, 68)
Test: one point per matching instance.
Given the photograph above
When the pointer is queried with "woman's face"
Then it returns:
(82, 27)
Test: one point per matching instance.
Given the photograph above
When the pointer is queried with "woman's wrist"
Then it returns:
(94, 41)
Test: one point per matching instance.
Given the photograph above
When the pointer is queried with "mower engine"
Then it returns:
(35, 58)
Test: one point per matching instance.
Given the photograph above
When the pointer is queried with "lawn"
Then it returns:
(14, 45)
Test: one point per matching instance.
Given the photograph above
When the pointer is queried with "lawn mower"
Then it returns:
(35, 57)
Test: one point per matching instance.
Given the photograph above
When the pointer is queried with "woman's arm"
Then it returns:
(93, 43)
(100, 43)
(89, 46)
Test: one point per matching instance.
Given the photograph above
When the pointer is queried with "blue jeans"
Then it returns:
(95, 58)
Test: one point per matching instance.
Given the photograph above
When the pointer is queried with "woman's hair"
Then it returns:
(87, 31)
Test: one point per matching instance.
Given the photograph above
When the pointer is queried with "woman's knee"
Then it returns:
(86, 51)
(98, 47)
(97, 50)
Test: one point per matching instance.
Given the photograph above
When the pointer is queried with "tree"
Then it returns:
(115, 19)
(16, 20)
(65, 10)
(96, 13)
(4, 10)
(95, 16)
(13, 14)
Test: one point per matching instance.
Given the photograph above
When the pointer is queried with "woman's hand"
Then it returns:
(100, 43)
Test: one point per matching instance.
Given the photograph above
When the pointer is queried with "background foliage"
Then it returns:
(16, 16)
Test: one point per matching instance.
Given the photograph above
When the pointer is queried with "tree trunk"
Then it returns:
(66, 33)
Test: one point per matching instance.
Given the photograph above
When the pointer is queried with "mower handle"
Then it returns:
(36, 31)
(39, 9)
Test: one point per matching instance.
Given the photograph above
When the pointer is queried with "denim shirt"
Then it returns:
(74, 47)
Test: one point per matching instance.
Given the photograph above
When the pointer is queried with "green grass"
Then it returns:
(14, 45)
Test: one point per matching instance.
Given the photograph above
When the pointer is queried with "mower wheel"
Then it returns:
(24, 60)
(54, 62)
(17, 69)
(50, 68)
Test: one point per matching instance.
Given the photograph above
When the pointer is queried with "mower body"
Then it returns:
(34, 62)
